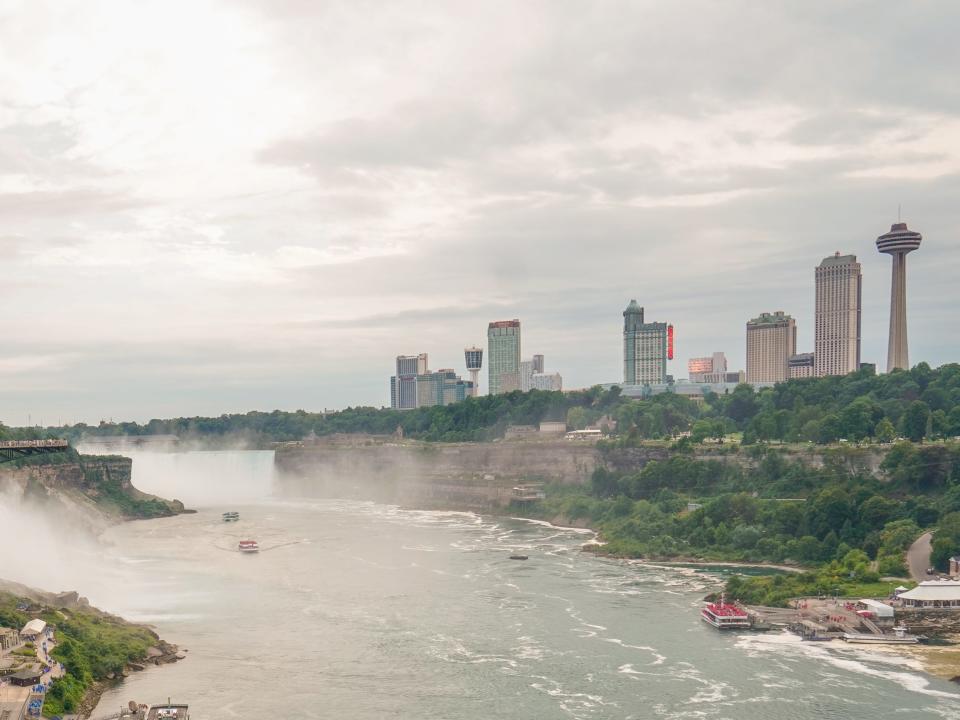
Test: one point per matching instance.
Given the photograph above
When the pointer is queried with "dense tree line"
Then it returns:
(776, 510)
(917, 404)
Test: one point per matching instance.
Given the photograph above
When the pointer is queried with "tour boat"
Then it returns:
(168, 712)
(231, 516)
(724, 616)
(248, 546)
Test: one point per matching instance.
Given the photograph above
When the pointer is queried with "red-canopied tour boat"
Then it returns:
(724, 616)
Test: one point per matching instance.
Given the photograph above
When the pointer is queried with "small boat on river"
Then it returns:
(231, 516)
(248, 546)
(519, 557)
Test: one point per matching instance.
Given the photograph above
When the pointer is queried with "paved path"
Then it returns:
(918, 557)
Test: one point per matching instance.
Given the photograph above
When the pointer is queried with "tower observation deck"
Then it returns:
(474, 360)
(897, 243)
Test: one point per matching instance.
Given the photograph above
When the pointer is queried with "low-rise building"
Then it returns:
(551, 426)
(517, 432)
(33, 629)
(9, 638)
(933, 594)
(547, 381)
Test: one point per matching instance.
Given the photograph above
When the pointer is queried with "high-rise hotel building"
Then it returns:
(836, 346)
(403, 385)
(646, 348)
(503, 352)
(771, 340)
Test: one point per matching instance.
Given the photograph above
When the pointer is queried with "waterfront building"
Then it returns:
(646, 347)
(503, 349)
(771, 340)
(474, 360)
(800, 365)
(546, 381)
(836, 346)
(403, 384)
(936, 594)
(700, 369)
(897, 243)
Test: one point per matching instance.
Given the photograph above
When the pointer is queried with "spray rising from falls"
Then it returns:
(203, 479)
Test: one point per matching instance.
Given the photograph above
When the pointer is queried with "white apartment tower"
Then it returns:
(836, 348)
(771, 340)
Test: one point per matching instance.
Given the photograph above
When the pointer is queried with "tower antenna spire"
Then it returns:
(898, 213)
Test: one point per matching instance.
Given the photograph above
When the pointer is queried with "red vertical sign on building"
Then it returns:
(669, 342)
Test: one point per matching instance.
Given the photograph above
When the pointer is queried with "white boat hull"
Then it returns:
(879, 639)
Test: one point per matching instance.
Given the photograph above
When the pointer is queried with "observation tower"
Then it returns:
(897, 243)
(474, 358)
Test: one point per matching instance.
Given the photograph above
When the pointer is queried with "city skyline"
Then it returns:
(245, 218)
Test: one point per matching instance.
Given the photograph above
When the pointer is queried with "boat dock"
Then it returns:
(829, 619)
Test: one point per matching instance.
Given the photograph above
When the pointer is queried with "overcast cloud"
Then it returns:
(212, 207)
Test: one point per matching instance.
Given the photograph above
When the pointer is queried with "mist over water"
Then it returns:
(201, 478)
(43, 547)
(360, 610)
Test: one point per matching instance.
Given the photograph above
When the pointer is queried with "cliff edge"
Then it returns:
(94, 490)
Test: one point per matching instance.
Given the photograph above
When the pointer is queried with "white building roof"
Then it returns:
(934, 590)
(34, 627)
(881, 609)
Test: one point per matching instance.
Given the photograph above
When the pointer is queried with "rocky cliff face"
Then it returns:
(460, 475)
(94, 491)
(481, 476)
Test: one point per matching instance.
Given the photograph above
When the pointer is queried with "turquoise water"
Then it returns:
(358, 610)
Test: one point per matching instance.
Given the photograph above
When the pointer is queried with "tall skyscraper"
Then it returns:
(646, 348)
(503, 349)
(897, 243)
(632, 320)
(474, 360)
(538, 363)
(836, 346)
(403, 385)
(771, 340)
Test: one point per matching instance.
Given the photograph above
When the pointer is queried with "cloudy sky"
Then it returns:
(212, 207)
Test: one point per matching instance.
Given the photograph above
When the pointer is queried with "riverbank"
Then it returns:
(92, 650)
(941, 660)
(161, 654)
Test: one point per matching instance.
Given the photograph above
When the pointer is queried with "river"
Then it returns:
(362, 611)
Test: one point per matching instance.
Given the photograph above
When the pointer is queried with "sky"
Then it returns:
(211, 207)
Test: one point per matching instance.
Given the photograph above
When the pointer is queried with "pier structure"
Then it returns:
(13, 449)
